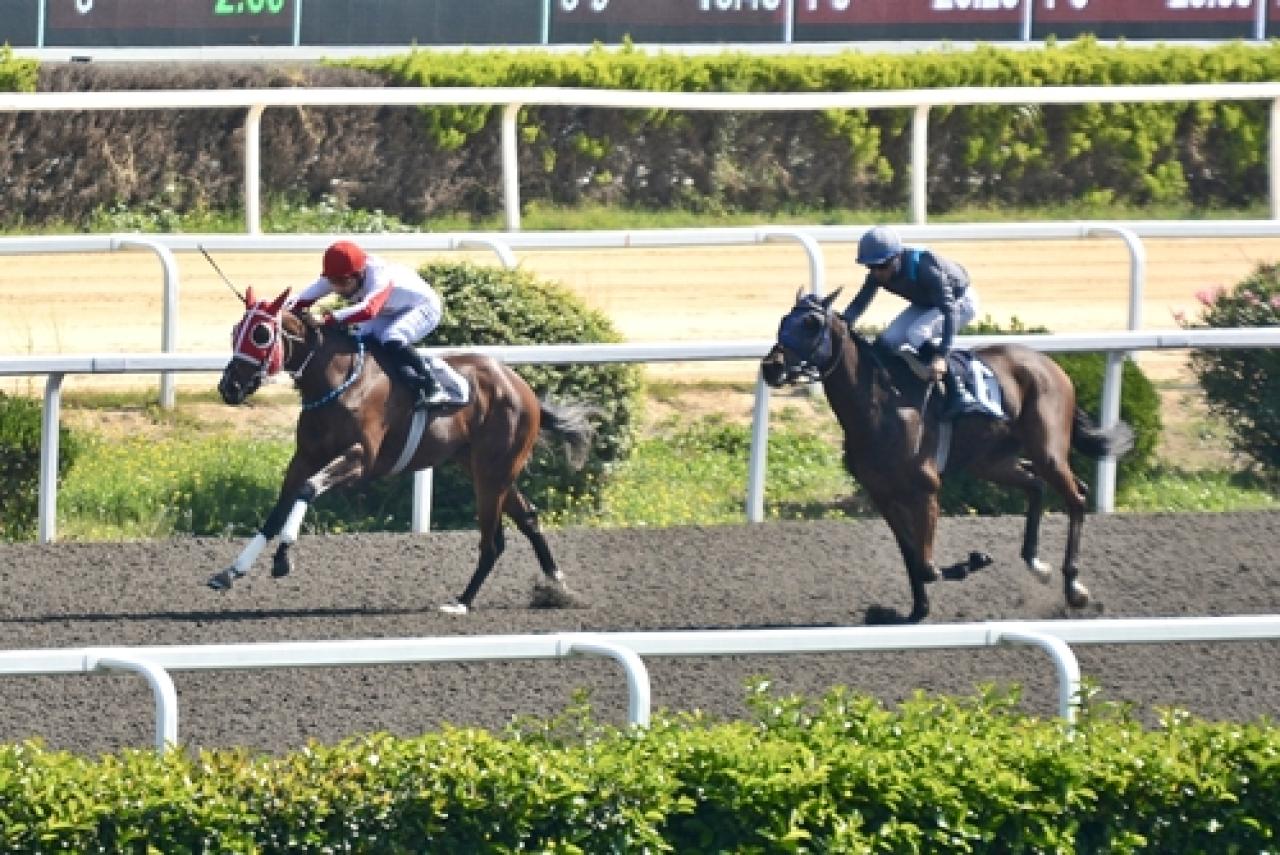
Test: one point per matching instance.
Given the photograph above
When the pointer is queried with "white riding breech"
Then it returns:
(917, 324)
(408, 327)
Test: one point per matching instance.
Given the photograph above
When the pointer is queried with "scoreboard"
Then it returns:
(319, 23)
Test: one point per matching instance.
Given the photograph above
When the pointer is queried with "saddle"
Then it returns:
(979, 388)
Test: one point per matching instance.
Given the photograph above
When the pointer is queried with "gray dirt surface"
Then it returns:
(777, 574)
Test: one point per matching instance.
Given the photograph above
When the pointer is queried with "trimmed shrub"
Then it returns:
(841, 773)
(20, 465)
(1243, 385)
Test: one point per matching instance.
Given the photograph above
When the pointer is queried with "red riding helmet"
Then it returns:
(344, 258)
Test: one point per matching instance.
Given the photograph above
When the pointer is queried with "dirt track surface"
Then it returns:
(771, 575)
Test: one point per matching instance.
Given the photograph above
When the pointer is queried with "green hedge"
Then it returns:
(1035, 155)
(1243, 386)
(447, 160)
(20, 426)
(843, 774)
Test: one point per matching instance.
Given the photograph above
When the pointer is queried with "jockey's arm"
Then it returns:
(366, 309)
(309, 295)
(860, 301)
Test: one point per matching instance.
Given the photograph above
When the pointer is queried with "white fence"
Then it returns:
(512, 100)
(1114, 344)
(628, 649)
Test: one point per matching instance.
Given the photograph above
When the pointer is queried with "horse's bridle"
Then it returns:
(810, 355)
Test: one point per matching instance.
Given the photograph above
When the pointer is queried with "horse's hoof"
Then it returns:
(455, 608)
(281, 567)
(1042, 571)
(929, 573)
(1077, 595)
(979, 560)
(223, 581)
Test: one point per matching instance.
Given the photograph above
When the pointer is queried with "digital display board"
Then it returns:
(19, 23)
(870, 20)
(1145, 19)
(688, 21)
(424, 22)
(354, 23)
(168, 23)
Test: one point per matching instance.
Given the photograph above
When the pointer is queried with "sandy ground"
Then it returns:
(796, 574)
(110, 303)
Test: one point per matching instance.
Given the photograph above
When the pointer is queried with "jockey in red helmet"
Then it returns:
(941, 297)
(390, 302)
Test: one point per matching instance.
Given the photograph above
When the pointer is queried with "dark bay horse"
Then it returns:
(891, 435)
(356, 425)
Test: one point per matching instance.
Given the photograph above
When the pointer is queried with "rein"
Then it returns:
(357, 366)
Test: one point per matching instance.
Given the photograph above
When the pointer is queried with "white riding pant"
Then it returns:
(915, 325)
(409, 327)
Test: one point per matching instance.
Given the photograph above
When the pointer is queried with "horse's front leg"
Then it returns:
(913, 525)
(299, 489)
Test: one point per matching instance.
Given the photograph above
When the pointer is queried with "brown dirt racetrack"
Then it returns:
(794, 574)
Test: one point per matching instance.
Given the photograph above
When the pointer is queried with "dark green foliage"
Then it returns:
(1243, 385)
(495, 306)
(445, 160)
(1139, 407)
(843, 773)
(20, 421)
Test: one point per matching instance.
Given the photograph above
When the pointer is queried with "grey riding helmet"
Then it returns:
(878, 245)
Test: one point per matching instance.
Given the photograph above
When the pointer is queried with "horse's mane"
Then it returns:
(877, 357)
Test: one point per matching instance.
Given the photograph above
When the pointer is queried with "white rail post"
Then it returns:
(638, 691)
(252, 169)
(162, 689)
(1064, 662)
(919, 164)
(759, 454)
(423, 481)
(511, 166)
(169, 312)
(47, 501)
(1273, 158)
(1113, 374)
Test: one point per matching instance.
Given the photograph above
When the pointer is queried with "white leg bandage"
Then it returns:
(249, 554)
(289, 534)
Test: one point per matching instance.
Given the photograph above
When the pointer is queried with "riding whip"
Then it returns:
(218, 270)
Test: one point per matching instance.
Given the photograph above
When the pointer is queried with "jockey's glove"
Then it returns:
(938, 367)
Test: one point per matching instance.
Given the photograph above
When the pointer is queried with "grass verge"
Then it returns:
(148, 473)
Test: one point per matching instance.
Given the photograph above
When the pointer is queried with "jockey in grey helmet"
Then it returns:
(941, 302)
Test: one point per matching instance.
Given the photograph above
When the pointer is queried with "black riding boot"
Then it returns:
(414, 370)
(954, 404)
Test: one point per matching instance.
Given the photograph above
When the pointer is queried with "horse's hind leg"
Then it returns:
(492, 544)
(1058, 475)
(523, 513)
(1012, 472)
(551, 590)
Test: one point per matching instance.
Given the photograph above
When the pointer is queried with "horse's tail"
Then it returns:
(572, 424)
(1091, 440)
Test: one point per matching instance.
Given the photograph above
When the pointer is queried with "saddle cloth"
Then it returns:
(978, 384)
(453, 384)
